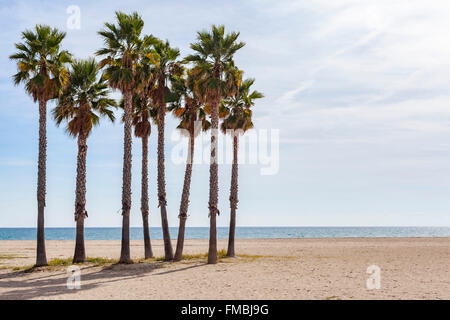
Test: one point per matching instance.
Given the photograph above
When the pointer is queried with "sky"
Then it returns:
(357, 92)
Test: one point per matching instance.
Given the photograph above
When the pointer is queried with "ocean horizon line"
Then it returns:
(242, 232)
(273, 226)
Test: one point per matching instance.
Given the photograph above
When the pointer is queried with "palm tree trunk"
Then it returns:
(168, 251)
(80, 199)
(233, 197)
(185, 196)
(41, 257)
(126, 183)
(213, 185)
(144, 199)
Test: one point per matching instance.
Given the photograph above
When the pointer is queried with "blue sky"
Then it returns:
(359, 91)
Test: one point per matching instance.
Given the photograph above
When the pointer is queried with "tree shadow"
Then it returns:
(182, 269)
(26, 286)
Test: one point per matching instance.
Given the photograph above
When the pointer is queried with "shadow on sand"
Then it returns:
(27, 285)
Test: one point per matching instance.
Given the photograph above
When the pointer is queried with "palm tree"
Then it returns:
(83, 101)
(164, 66)
(123, 46)
(238, 121)
(187, 106)
(41, 67)
(142, 112)
(213, 62)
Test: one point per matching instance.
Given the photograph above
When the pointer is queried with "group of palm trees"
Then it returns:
(152, 80)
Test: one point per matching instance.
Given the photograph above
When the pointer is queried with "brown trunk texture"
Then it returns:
(80, 198)
(80, 253)
(185, 197)
(213, 185)
(168, 251)
(126, 183)
(233, 197)
(41, 257)
(144, 199)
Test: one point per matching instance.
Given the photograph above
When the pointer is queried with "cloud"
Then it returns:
(289, 96)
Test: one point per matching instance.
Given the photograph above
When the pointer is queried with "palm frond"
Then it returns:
(84, 99)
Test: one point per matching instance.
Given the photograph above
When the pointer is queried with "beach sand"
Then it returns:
(411, 268)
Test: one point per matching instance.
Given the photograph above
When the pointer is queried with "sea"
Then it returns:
(241, 232)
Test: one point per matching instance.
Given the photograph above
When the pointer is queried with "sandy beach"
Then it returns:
(411, 268)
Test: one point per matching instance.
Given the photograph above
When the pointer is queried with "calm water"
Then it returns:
(241, 232)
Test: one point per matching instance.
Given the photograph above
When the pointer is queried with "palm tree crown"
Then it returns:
(213, 61)
(143, 112)
(162, 59)
(187, 104)
(123, 44)
(41, 63)
(84, 91)
(238, 108)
